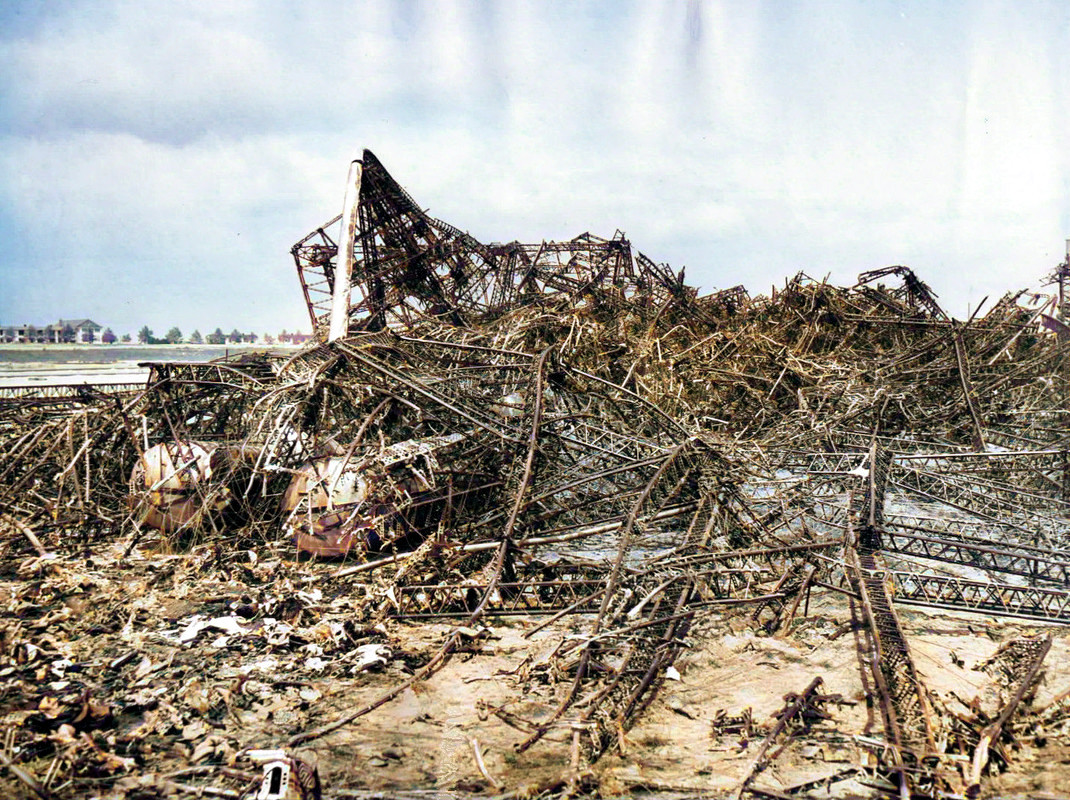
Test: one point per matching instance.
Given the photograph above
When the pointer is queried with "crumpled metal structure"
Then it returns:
(410, 267)
(569, 428)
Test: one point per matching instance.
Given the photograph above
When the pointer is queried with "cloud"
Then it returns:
(171, 238)
(160, 158)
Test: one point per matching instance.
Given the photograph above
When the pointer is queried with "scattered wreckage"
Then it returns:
(563, 432)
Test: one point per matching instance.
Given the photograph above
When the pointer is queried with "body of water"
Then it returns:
(35, 365)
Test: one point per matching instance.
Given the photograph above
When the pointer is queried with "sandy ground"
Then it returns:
(109, 629)
(427, 737)
(174, 706)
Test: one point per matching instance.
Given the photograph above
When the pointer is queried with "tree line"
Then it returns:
(174, 336)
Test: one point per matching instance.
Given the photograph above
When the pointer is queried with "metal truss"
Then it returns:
(64, 392)
(314, 258)
(26, 405)
(861, 440)
(246, 375)
(986, 499)
(776, 557)
(1050, 566)
(204, 401)
(971, 530)
(958, 594)
(914, 295)
(904, 702)
(410, 266)
(1015, 436)
(1026, 657)
(1041, 474)
(732, 575)
(459, 599)
(842, 463)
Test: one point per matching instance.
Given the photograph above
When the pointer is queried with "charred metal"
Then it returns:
(568, 429)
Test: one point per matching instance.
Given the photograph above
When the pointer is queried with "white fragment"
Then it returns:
(268, 664)
(198, 623)
(372, 657)
(861, 470)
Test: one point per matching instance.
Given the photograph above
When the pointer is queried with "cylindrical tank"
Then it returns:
(177, 485)
(371, 503)
(328, 510)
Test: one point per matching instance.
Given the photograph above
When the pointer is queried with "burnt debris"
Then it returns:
(564, 433)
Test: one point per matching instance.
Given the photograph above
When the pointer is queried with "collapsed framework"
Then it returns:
(568, 429)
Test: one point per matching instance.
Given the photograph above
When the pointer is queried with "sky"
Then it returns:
(159, 159)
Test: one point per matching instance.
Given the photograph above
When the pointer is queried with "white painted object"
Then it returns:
(276, 782)
(343, 271)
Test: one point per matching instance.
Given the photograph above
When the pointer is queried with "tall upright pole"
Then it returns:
(1063, 270)
(343, 270)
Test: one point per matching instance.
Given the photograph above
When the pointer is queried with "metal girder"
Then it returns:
(903, 699)
(1050, 567)
(408, 266)
(914, 292)
(861, 440)
(1032, 480)
(459, 599)
(968, 393)
(550, 597)
(314, 258)
(775, 557)
(64, 392)
(843, 463)
(959, 594)
(1040, 472)
(986, 499)
(1003, 463)
(796, 706)
(1034, 650)
(248, 375)
(728, 575)
(971, 529)
(1005, 496)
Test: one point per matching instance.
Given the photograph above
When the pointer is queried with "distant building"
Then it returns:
(75, 331)
(293, 338)
(85, 330)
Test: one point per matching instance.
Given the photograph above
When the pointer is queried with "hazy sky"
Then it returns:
(158, 160)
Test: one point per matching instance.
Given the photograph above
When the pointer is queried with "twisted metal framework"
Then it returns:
(568, 428)
(914, 296)
(998, 535)
(63, 393)
(410, 266)
(904, 701)
(314, 258)
(975, 484)
(988, 499)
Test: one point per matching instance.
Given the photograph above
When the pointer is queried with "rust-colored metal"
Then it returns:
(410, 266)
(335, 504)
(1039, 648)
(567, 427)
(796, 705)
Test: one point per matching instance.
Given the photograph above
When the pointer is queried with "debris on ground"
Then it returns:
(542, 520)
